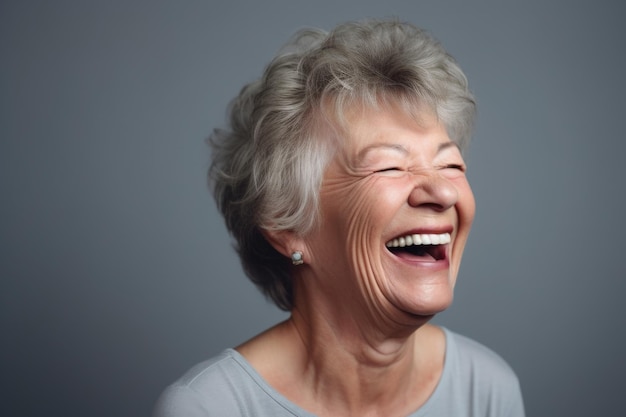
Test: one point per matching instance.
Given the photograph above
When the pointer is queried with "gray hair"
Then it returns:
(267, 168)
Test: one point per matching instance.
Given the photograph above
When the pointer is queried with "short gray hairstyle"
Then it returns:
(267, 168)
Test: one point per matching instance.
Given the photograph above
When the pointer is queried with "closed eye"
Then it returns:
(388, 169)
(456, 166)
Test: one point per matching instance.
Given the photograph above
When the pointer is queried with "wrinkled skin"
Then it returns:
(356, 342)
(394, 176)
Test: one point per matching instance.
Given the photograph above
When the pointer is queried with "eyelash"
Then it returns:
(459, 167)
(456, 166)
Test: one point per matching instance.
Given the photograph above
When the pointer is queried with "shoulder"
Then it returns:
(204, 390)
(478, 375)
(474, 357)
(226, 385)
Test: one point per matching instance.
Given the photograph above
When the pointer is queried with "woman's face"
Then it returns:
(397, 185)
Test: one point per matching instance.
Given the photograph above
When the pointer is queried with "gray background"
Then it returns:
(117, 273)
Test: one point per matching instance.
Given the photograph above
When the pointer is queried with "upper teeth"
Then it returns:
(419, 239)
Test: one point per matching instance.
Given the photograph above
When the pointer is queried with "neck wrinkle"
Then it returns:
(348, 364)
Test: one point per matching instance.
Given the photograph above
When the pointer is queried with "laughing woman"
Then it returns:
(343, 183)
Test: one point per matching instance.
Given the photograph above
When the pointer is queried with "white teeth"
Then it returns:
(423, 239)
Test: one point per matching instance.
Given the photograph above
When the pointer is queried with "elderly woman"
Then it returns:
(343, 183)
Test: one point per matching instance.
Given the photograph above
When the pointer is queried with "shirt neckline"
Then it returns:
(298, 411)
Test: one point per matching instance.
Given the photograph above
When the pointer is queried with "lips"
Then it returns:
(420, 246)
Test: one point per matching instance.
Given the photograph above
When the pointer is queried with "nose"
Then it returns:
(433, 191)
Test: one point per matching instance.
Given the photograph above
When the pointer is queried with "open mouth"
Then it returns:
(423, 247)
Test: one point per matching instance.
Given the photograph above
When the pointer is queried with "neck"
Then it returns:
(355, 368)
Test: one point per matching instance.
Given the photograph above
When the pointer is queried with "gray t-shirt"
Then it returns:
(475, 382)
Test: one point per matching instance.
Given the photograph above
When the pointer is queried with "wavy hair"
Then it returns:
(267, 167)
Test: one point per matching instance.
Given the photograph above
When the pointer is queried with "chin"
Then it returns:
(430, 306)
(430, 312)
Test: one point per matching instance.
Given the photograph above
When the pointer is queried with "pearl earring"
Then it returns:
(296, 258)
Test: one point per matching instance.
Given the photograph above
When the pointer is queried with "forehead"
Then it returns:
(369, 129)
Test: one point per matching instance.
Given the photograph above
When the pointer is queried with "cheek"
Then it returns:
(357, 215)
(351, 211)
(345, 245)
(466, 208)
(362, 206)
(466, 205)
(470, 209)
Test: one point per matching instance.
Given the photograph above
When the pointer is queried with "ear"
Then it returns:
(284, 241)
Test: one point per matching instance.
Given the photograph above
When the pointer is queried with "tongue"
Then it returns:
(415, 253)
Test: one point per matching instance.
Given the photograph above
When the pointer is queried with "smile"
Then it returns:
(420, 245)
(419, 239)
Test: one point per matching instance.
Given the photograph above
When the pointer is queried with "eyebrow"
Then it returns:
(396, 147)
(445, 145)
